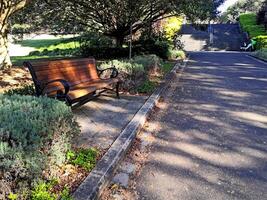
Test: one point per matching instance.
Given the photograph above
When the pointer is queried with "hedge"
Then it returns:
(248, 23)
(35, 134)
(261, 41)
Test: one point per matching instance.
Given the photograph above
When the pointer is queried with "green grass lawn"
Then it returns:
(18, 60)
(48, 49)
(51, 44)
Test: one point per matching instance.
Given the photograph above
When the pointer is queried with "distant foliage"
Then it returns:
(172, 26)
(241, 6)
(261, 41)
(248, 23)
(176, 54)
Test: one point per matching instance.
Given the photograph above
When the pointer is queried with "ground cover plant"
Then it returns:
(141, 74)
(35, 143)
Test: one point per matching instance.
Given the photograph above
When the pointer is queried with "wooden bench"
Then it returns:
(74, 81)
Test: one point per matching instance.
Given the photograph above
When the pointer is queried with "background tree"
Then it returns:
(112, 18)
(241, 6)
(7, 9)
(262, 15)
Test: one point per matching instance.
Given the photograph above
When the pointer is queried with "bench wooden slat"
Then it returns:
(80, 74)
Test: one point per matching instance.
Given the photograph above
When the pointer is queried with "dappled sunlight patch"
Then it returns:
(250, 116)
(174, 160)
(224, 158)
(252, 152)
(233, 93)
(254, 78)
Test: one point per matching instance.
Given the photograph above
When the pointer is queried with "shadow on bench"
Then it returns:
(75, 81)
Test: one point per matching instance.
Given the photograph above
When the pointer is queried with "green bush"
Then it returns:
(94, 39)
(42, 191)
(261, 41)
(23, 90)
(124, 66)
(176, 54)
(35, 134)
(136, 71)
(248, 23)
(152, 45)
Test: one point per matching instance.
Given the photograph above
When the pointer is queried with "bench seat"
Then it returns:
(72, 80)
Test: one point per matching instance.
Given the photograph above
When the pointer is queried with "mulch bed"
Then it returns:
(13, 78)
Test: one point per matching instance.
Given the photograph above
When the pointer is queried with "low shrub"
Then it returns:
(152, 45)
(23, 90)
(56, 52)
(176, 54)
(137, 71)
(35, 134)
(44, 191)
(95, 39)
(261, 41)
(262, 54)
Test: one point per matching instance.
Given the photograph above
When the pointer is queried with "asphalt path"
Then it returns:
(212, 140)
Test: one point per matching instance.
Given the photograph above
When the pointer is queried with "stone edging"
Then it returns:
(100, 177)
(261, 60)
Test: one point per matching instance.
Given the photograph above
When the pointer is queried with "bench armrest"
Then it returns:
(114, 72)
(63, 82)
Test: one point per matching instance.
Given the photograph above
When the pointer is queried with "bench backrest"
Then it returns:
(74, 71)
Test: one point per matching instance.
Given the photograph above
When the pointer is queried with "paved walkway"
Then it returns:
(103, 119)
(212, 143)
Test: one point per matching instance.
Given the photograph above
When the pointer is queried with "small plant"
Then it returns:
(147, 87)
(167, 67)
(12, 196)
(42, 191)
(65, 194)
(85, 158)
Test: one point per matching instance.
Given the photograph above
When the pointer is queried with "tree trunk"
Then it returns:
(7, 8)
(5, 61)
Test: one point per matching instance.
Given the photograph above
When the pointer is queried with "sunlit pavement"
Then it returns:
(212, 141)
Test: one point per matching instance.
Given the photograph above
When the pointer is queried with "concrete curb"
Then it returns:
(99, 178)
(261, 60)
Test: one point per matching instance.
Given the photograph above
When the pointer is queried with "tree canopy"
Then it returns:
(241, 6)
(113, 18)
